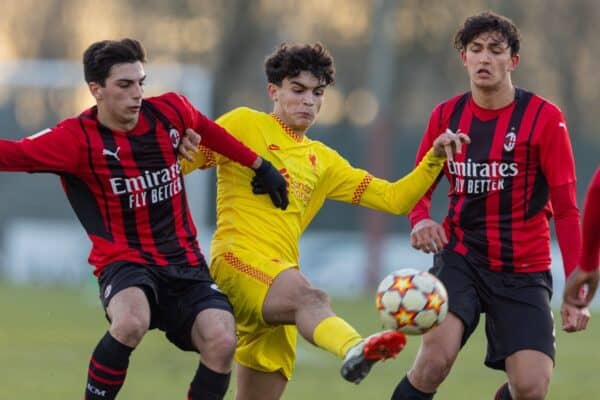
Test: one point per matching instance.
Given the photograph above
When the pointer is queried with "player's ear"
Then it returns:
(95, 90)
(272, 90)
(463, 57)
(514, 62)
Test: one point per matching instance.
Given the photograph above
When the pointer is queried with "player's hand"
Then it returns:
(428, 236)
(270, 181)
(450, 143)
(574, 319)
(189, 144)
(580, 287)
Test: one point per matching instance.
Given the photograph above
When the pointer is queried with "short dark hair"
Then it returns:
(488, 21)
(99, 57)
(289, 60)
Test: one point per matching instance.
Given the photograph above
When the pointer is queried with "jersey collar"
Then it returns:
(287, 129)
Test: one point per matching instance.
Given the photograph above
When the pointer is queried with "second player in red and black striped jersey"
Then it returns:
(519, 158)
(126, 188)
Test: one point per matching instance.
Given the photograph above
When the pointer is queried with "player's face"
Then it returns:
(488, 61)
(120, 99)
(298, 100)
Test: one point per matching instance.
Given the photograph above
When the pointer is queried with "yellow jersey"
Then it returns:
(314, 172)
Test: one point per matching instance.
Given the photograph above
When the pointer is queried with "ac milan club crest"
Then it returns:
(510, 140)
(175, 137)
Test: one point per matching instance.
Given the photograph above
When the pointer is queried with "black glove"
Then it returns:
(269, 180)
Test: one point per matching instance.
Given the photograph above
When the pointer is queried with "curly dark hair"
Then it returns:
(289, 60)
(488, 21)
(99, 57)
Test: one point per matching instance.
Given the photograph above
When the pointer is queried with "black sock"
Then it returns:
(107, 370)
(503, 393)
(208, 385)
(406, 391)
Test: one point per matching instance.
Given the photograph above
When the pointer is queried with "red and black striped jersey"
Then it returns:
(501, 184)
(126, 188)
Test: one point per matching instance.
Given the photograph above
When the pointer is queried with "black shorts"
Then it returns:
(176, 294)
(516, 305)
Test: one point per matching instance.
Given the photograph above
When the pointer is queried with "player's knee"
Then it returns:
(216, 342)
(223, 345)
(531, 387)
(129, 329)
(431, 368)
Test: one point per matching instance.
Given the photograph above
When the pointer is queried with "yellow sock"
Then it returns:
(335, 335)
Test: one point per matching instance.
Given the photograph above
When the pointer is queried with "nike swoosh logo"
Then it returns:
(274, 147)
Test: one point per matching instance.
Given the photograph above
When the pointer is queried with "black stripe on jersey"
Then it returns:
(161, 214)
(541, 192)
(473, 210)
(191, 237)
(82, 199)
(167, 102)
(459, 107)
(522, 99)
(127, 214)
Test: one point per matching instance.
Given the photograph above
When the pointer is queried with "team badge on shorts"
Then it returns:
(175, 137)
(510, 140)
(107, 291)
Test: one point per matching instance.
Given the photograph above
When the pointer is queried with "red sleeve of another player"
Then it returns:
(51, 150)
(590, 254)
(421, 210)
(216, 138)
(566, 222)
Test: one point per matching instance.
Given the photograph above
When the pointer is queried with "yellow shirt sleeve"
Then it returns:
(357, 186)
(203, 159)
(233, 122)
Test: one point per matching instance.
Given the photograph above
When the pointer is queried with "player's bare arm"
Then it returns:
(450, 143)
(428, 235)
(580, 287)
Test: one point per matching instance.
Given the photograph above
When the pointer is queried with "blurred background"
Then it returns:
(395, 61)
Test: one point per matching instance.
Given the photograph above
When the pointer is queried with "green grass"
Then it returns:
(47, 335)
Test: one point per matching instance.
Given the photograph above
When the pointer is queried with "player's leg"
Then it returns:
(526, 353)
(197, 316)
(128, 310)
(258, 385)
(265, 351)
(440, 346)
(291, 299)
(437, 353)
(529, 373)
(213, 334)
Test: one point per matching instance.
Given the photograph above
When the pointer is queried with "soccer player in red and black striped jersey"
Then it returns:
(586, 276)
(118, 166)
(493, 248)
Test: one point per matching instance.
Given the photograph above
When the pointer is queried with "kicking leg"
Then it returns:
(291, 299)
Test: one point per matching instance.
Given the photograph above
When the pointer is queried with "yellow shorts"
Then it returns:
(245, 278)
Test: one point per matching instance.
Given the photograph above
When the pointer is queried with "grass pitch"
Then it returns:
(47, 336)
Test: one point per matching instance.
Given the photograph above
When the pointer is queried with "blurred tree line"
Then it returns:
(395, 61)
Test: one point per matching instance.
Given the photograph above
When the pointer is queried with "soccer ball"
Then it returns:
(411, 301)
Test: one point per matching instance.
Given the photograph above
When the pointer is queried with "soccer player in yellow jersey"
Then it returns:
(254, 252)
